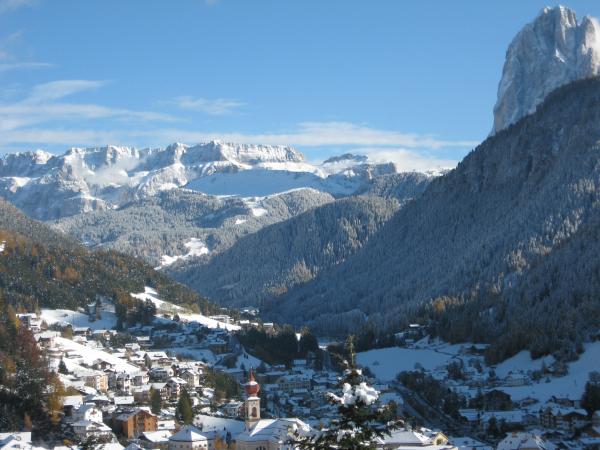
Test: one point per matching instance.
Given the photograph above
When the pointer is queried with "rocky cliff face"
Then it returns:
(551, 51)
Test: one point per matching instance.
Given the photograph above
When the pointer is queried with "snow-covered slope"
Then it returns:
(551, 51)
(49, 186)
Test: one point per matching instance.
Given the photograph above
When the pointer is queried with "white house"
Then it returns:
(87, 411)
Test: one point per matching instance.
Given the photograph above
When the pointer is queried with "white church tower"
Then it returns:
(252, 403)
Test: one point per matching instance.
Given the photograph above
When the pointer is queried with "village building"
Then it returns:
(155, 439)
(191, 438)
(16, 441)
(291, 383)
(98, 380)
(88, 411)
(524, 441)
(562, 418)
(412, 439)
(84, 429)
(132, 424)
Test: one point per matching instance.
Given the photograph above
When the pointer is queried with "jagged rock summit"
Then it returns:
(547, 53)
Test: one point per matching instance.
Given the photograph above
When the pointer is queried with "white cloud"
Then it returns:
(9, 61)
(22, 65)
(320, 134)
(213, 107)
(42, 105)
(408, 160)
(55, 90)
(32, 121)
(7, 6)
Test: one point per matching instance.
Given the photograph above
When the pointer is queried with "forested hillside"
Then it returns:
(503, 249)
(271, 261)
(161, 225)
(40, 267)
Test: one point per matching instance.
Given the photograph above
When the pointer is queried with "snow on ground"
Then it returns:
(258, 212)
(208, 322)
(240, 221)
(248, 361)
(521, 362)
(195, 248)
(386, 363)
(161, 305)
(89, 355)
(2, 245)
(107, 321)
(571, 385)
(197, 354)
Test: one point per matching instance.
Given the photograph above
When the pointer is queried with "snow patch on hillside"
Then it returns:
(208, 322)
(161, 305)
(571, 385)
(2, 246)
(521, 362)
(195, 248)
(386, 363)
(168, 307)
(64, 317)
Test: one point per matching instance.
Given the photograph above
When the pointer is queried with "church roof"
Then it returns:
(190, 433)
(274, 430)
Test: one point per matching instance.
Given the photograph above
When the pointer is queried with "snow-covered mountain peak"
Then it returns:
(547, 53)
(88, 179)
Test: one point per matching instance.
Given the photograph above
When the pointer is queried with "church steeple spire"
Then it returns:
(252, 403)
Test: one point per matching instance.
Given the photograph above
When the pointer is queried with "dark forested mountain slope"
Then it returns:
(508, 238)
(160, 225)
(41, 267)
(267, 263)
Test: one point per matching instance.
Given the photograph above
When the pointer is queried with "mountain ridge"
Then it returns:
(474, 235)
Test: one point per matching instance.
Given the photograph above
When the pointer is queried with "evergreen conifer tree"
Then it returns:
(362, 422)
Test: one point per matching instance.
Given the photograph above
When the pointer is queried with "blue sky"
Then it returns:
(414, 81)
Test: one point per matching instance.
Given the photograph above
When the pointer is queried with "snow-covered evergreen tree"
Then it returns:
(362, 421)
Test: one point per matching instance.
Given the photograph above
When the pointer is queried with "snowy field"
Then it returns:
(208, 322)
(196, 354)
(64, 317)
(167, 307)
(571, 385)
(386, 363)
(247, 360)
(161, 305)
(521, 362)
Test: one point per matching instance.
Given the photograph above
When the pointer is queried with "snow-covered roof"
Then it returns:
(157, 436)
(274, 430)
(190, 433)
(516, 441)
(211, 423)
(407, 437)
